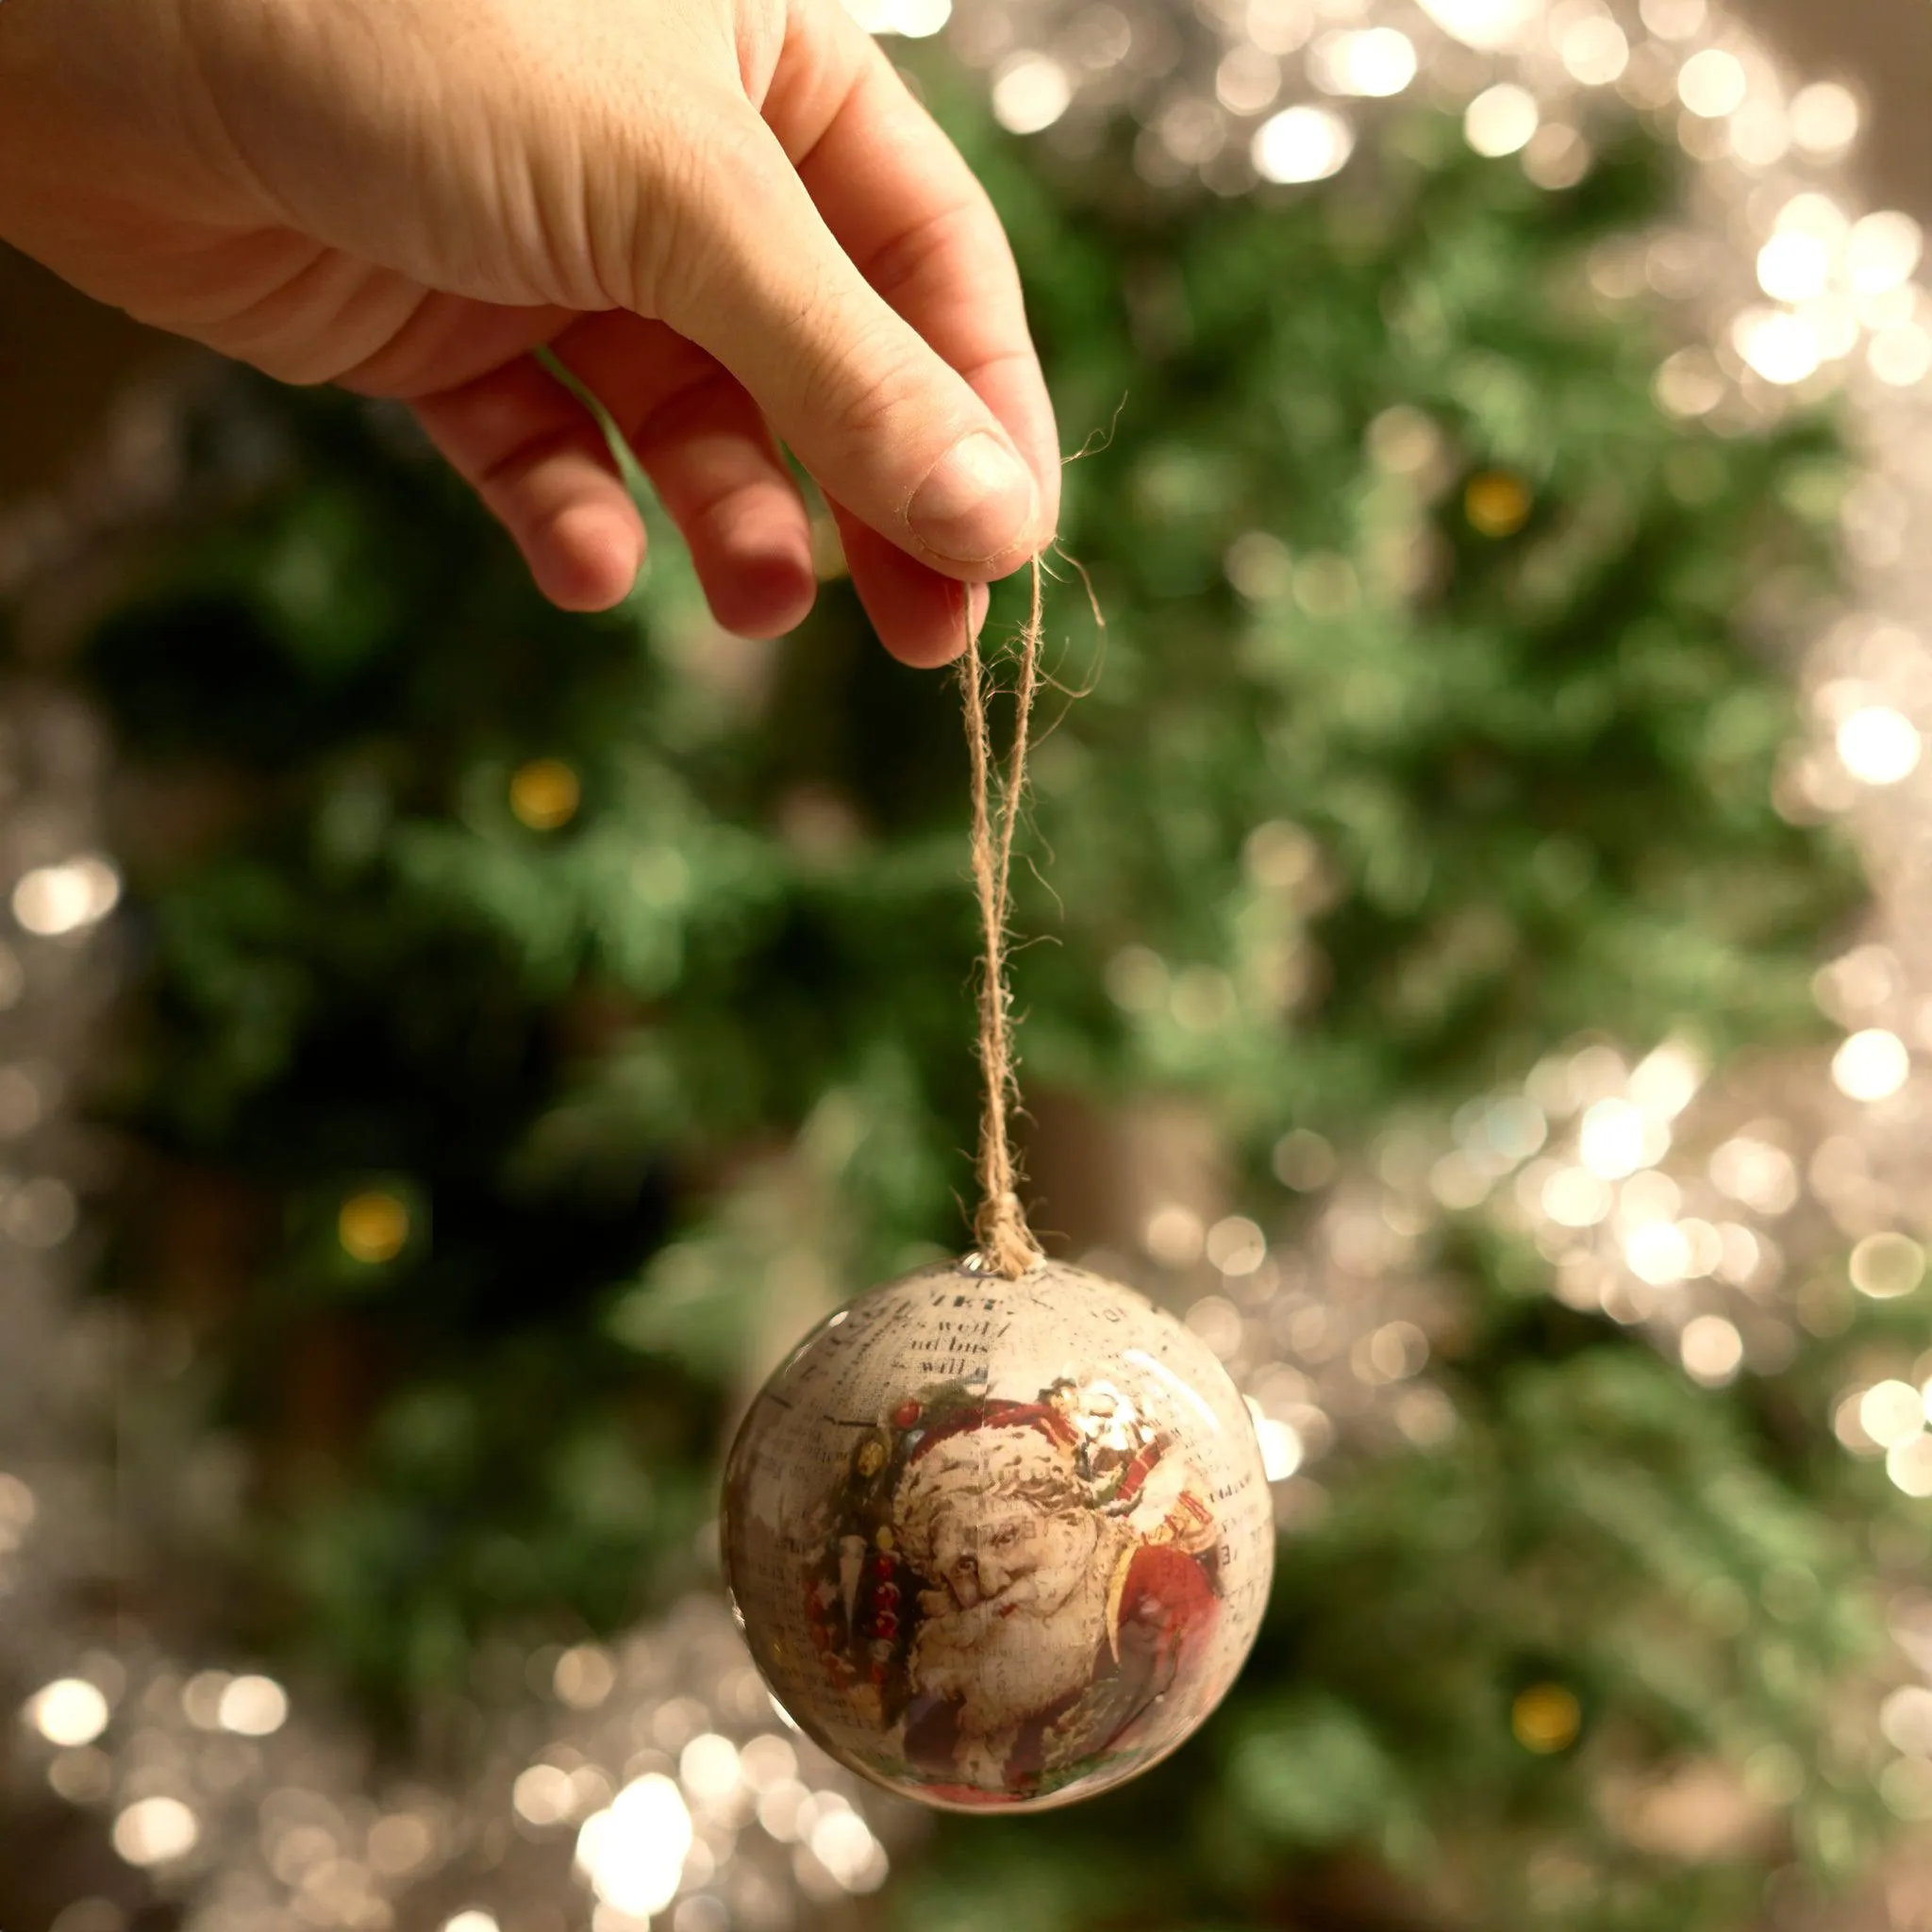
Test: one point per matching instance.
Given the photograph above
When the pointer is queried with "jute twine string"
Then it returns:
(999, 1227)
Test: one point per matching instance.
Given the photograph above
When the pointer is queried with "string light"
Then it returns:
(373, 1227)
(544, 795)
(1496, 503)
(1546, 1718)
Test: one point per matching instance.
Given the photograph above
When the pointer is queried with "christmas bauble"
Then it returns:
(998, 1544)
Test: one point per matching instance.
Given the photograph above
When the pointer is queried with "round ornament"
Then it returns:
(998, 1544)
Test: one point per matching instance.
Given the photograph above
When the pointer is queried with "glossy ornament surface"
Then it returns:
(999, 1544)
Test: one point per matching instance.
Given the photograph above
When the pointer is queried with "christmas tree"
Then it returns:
(539, 1020)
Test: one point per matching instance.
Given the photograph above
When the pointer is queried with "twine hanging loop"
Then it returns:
(1005, 1242)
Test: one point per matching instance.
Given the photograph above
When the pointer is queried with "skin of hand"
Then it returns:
(728, 219)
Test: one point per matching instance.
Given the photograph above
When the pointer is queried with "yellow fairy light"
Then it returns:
(373, 1226)
(544, 795)
(1546, 1719)
(1496, 503)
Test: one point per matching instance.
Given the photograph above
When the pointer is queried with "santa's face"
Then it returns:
(1007, 1553)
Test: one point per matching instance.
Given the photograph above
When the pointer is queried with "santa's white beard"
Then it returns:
(1003, 1670)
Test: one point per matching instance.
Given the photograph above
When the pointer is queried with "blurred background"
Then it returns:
(449, 1051)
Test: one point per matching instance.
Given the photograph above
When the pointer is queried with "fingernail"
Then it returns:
(977, 501)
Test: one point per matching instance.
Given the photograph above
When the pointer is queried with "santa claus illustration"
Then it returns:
(1059, 1602)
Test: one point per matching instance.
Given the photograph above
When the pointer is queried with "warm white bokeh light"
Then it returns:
(1617, 1138)
(1657, 1252)
(156, 1831)
(1904, 1720)
(1236, 1245)
(1892, 1412)
(1501, 120)
(1302, 143)
(1575, 1197)
(1825, 118)
(1711, 1350)
(254, 1708)
(1871, 1065)
(708, 1768)
(1486, 24)
(544, 1794)
(1886, 1266)
(1882, 249)
(634, 1852)
(54, 899)
(1030, 91)
(1793, 266)
(1712, 84)
(69, 1712)
(1375, 63)
(1594, 50)
(1909, 1465)
(1247, 80)
(1878, 745)
(1281, 1446)
(1782, 348)
(1901, 356)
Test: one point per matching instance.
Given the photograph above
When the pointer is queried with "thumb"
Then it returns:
(886, 426)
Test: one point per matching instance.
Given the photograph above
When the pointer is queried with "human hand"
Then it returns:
(727, 218)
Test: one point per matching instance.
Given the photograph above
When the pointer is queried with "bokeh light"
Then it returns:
(1374, 63)
(544, 795)
(1501, 120)
(1030, 91)
(1302, 143)
(1871, 1065)
(156, 1831)
(1878, 745)
(53, 900)
(253, 1706)
(1824, 119)
(1546, 1718)
(1711, 1350)
(1712, 83)
(69, 1711)
(634, 1852)
(373, 1227)
(1886, 1266)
